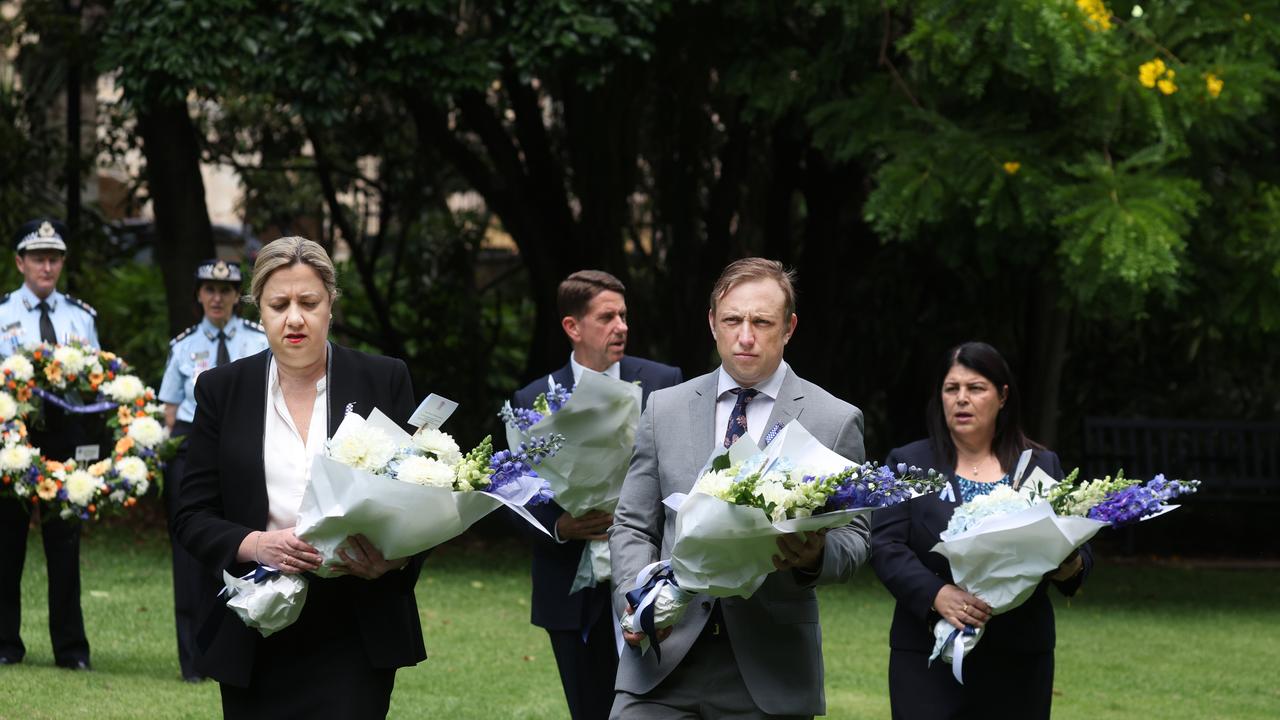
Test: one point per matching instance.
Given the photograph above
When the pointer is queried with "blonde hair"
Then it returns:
(754, 268)
(287, 252)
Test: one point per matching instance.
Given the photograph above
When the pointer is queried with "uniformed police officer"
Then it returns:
(33, 313)
(219, 338)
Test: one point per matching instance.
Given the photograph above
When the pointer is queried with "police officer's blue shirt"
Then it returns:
(195, 350)
(73, 320)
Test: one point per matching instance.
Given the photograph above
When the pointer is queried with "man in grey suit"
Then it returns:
(757, 657)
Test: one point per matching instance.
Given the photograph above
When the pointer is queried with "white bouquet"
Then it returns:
(598, 421)
(1000, 546)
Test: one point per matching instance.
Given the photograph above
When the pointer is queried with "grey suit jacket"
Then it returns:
(775, 634)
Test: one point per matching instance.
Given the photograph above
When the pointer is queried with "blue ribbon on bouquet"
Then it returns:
(259, 575)
(76, 409)
(649, 584)
(956, 641)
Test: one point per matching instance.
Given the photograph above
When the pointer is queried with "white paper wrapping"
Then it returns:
(269, 606)
(598, 423)
(727, 550)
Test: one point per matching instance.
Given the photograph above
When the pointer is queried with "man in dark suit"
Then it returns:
(581, 626)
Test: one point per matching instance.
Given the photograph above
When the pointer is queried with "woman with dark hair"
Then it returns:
(975, 436)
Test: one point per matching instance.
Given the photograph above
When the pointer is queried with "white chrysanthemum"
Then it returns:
(19, 367)
(141, 487)
(71, 358)
(21, 489)
(132, 468)
(124, 389)
(438, 443)
(80, 487)
(146, 432)
(715, 483)
(8, 407)
(117, 497)
(15, 457)
(425, 471)
(367, 448)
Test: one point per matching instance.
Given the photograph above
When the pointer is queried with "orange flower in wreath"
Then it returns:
(54, 466)
(53, 371)
(124, 445)
(23, 393)
(47, 489)
(123, 415)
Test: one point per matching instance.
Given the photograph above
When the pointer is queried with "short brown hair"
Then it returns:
(578, 290)
(287, 252)
(754, 268)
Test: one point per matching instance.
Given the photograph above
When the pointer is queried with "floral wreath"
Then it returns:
(51, 372)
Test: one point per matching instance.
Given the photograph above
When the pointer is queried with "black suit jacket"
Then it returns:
(902, 537)
(223, 498)
(556, 564)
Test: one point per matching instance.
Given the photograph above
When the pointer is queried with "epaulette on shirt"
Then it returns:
(184, 334)
(82, 305)
(256, 327)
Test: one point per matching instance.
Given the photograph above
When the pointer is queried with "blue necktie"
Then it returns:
(738, 418)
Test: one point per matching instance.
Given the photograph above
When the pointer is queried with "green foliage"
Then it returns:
(131, 320)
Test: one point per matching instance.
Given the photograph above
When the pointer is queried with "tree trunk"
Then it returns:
(184, 236)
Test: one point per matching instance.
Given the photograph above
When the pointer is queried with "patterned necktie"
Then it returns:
(47, 333)
(738, 418)
(224, 357)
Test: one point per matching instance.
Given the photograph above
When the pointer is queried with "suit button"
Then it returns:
(706, 605)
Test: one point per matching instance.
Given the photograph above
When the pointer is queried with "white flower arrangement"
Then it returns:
(1000, 501)
(146, 431)
(15, 457)
(365, 448)
(132, 469)
(439, 445)
(124, 389)
(8, 407)
(421, 470)
(71, 358)
(18, 367)
(81, 487)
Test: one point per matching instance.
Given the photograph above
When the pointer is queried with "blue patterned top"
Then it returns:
(970, 489)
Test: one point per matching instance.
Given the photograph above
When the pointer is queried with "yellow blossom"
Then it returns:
(1150, 72)
(1213, 84)
(1012, 167)
(1166, 85)
(1098, 14)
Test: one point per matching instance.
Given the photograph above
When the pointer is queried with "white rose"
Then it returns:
(367, 448)
(8, 407)
(80, 487)
(425, 471)
(440, 444)
(132, 469)
(15, 457)
(124, 389)
(146, 432)
(19, 367)
(71, 359)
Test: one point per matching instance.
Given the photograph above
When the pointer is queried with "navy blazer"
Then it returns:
(556, 564)
(902, 538)
(223, 497)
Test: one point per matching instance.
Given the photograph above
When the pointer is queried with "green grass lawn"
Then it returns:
(1140, 641)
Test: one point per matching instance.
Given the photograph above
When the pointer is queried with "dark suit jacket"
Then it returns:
(901, 540)
(223, 498)
(556, 564)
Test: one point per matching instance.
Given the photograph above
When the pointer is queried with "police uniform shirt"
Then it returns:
(73, 320)
(195, 350)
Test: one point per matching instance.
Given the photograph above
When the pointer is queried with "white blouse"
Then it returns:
(286, 459)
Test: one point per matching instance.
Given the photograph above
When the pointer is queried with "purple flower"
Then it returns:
(1135, 502)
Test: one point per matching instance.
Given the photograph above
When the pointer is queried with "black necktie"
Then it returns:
(47, 333)
(224, 357)
(738, 418)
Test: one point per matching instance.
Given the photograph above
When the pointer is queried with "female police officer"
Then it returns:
(219, 338)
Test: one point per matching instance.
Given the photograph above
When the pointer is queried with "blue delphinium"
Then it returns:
(1138, 501)
(874, 485)
(506, 466)
(545, 404)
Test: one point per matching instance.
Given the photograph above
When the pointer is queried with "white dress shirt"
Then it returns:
(286, 460)
(757, 410)
(614, 371)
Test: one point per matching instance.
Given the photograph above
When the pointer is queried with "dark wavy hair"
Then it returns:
(1009, 440)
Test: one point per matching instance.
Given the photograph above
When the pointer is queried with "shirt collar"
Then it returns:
(211, 331)
(614, 371)
(770, 387)
(30, 300)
